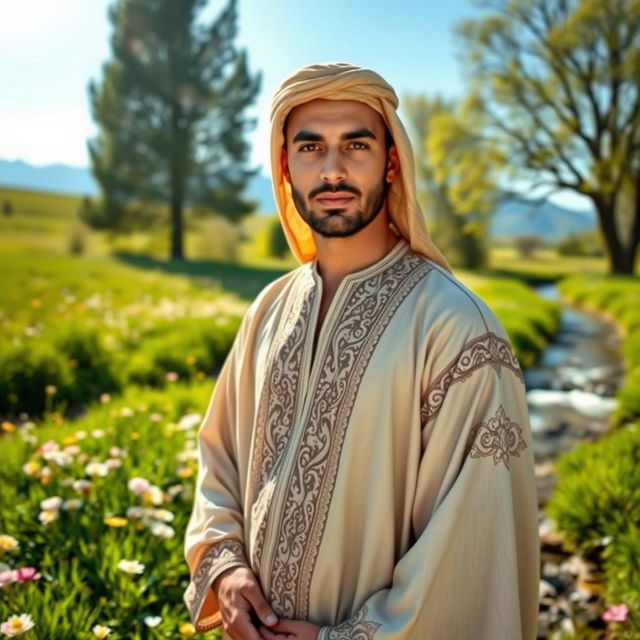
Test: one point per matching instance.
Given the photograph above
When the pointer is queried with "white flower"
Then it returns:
(98, 433)
(72, 504)
(48, 515)
(152, 621)
(130, 566)
(96, 469)
(134, 513)
(153, 495)
(155, 417)
(61, 458)
(138, 485)
(162, 530)
(51, 504)
(126, 412)
(113, 463)
(80, 435)
(117, 452)
(191, 454)
(174, 490)
(17, 625)
(99, 631)
(82, 485)
(49, 446)
(164, 515)
(189, 421)
(72, 449)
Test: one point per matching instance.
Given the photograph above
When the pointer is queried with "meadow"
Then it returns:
(108, 360)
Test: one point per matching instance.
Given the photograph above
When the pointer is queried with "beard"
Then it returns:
(324, 223)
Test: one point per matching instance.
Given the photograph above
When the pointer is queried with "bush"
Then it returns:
(586, 243)
(277, 242)
(596, 504)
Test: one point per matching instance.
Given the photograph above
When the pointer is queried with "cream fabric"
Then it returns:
(343, 81)
(383, 488)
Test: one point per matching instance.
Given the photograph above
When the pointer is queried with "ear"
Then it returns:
(284, 165)
(393, 164)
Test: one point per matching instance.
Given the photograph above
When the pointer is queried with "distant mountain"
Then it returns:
(61, 178)
(512, 218)
(526, 217)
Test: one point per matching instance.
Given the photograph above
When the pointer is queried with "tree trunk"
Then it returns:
(621, 255)
(177, 179)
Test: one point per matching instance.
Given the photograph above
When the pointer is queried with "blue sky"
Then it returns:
(52, 48)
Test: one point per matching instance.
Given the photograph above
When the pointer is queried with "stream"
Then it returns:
(570, 396)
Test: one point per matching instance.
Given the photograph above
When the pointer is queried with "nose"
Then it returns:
(332, 167)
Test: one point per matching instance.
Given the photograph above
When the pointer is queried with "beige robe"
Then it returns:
(385, 488)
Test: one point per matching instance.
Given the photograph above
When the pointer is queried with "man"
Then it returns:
(366, 466)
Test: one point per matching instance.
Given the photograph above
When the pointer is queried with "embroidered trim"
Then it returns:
(487, 349)
(356, 628)
(366, 314)
(499, 438)
(219, 557)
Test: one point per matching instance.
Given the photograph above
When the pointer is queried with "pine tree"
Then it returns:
(170, 110)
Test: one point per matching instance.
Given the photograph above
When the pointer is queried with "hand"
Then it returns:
(239, 594)
(291, 630)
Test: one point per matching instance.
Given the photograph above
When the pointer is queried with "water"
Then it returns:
(570, 390)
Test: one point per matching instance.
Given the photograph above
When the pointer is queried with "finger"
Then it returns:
(267, 634)
(241, 627)
(261, 606)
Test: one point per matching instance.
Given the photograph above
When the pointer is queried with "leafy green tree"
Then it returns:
(170, 110)
(277, 244)
(559, 80)
(456, 175)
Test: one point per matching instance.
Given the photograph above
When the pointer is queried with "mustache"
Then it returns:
(340, 186)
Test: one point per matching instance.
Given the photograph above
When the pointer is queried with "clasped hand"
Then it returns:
(240, 597)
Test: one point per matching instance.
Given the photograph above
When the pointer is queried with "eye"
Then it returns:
(357, 145)
(309, 146)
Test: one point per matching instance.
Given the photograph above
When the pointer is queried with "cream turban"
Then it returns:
(343, 81)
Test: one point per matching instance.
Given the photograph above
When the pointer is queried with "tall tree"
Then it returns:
(170, 110)
(559, 79)
(457, 175)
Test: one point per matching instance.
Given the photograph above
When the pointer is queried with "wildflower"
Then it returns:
(72, 449)
(51, 389)
(189, 421)
(100, 631)
(98, 433)
(48, 515)
(153, 495)
(126, 412)
(69, 440)
(7, 577)
(8, 543)
(17, 625)
(174, 490)
(45, 475)
(117, 452)
(152, 621)
(24, 574)
(134, 513)
(8, 427)
(48, 446)
(51, 504)
(134, 435)
(83, 486)
(130, 566)
(616, 613)
(187, 629)
(155, 417)
(61, 458)
(80, 435)
(138, 485)
(188, 454)
(162, 530)
(96, 469)
(116, 521)
(105, 398)
(72, 504)
(171, 376)
(164, 515)
(113, 463)
(185, 472)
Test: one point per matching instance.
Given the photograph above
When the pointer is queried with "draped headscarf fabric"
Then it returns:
(343, 81)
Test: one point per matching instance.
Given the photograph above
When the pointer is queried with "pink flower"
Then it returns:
(616, 613)
(7, 577)
(25, 574)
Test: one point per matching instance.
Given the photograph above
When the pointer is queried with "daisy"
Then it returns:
(47, 516)
(96, 469)
(162, 530)
(138, 485)
(17, 625)
(8, 543)
(130, 566)
(51, 504)
(152, 621)
(99, 631)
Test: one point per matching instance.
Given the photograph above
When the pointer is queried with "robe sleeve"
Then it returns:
(472, 572)
(214, 540)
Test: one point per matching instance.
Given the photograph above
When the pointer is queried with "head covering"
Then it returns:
(343, 81)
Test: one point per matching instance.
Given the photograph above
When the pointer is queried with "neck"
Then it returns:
(337, 257)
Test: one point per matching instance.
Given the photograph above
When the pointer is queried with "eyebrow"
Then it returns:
(310, 136)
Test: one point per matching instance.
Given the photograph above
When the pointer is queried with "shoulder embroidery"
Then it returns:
(499, 438)
(485, 350)
(356, 628)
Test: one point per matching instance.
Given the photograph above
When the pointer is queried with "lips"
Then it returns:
(334, 199)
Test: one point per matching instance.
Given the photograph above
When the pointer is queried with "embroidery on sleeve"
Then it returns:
(355, 628)
(225, 554)
(499, 438)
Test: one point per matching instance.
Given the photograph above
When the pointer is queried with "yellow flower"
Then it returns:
(135, 435)
(185, 472)
(50, 389)
(201, 375)
(116, 521)
(36, 303)
(69, 440)
(191, 360)
(8, 543)
(187, 629)
(17, 625)
(8, 427)
(31, 468)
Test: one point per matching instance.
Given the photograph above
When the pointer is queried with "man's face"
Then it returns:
(337, 163)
